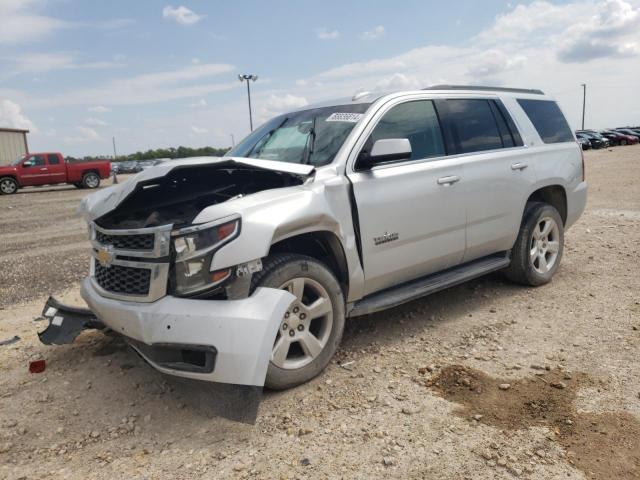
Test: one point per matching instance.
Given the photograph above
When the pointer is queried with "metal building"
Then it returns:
(13, 144)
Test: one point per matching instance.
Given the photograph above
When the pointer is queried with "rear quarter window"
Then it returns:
(548, 120)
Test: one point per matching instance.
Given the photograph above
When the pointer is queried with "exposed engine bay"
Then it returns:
(179, 196)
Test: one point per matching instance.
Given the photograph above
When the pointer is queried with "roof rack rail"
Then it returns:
(485, 89)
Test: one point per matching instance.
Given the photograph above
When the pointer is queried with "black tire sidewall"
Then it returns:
(15, 185)
(88, 175)
(521, 269)
(279, 269)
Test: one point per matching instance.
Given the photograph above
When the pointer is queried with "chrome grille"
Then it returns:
(126, 280)
(127, 242)
(131, 264)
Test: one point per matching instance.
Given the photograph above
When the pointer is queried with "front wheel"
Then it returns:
(8, 186)
(90, 180)
(311, 329)
(536, 255)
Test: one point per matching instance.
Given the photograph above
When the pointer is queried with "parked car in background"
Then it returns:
(619, 138)
(593, 134)
(629, 131)
(36, 169)
(584, 142)
(129, 166)
(594, 141)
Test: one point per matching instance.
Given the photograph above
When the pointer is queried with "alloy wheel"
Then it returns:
(545, 245)
(306, 326)
(7, 186)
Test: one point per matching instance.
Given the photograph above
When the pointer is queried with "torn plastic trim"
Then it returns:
(66, 323)
(242, 331)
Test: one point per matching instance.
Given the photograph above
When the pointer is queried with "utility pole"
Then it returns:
(584, 101)
(233, 141)
(246, 78)
(113, 139)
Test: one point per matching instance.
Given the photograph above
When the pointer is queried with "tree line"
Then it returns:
(180, 152)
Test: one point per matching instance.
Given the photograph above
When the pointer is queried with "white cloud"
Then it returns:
(181, 15)
(95, 122)
(198, 130)
(99, 109)
(324, 34)
(493, 62)
(399, 81)
(81, 135)
(374, 33)
(46, 62)
(613, 31)
(200, 103)
(146, 88)
(11, 116)
(277, 104)
(20, 25)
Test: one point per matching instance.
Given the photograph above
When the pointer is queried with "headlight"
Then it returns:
(194, 248)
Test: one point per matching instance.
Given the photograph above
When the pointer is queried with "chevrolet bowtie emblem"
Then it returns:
(105, 256)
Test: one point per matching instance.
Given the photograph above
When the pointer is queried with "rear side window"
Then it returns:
(417, 121)
(53, 159)
(547, 120)
(473, 125)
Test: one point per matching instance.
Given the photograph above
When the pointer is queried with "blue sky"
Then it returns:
(157, 74)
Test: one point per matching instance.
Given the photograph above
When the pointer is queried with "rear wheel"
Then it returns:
(623, 142)
(90, 180)
(311, 329)
(8, 186)
(537, 252)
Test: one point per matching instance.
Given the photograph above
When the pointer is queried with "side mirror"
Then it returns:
(385, 150)
(27, 164)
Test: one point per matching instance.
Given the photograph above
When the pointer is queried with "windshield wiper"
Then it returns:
(264, 139)
(309, 145)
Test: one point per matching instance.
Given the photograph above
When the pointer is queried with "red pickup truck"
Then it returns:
(49, 169)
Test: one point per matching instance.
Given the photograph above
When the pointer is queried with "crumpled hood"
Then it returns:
(101, 202)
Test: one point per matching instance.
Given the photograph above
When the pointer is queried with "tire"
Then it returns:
(90, 180)
(536, 255)
(78, 185)
(305, 341)
(8, 186)
(623, 142)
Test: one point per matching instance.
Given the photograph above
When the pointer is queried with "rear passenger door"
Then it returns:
(497, 174)
(411, 213)
(57, 172)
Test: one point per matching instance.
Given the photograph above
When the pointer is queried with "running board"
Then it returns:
(406, 292)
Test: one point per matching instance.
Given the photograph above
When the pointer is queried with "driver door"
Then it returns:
(411, 213)
(33, 171)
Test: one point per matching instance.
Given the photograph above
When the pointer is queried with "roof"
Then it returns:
(14, 130)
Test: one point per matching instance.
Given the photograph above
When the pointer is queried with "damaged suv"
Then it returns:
(243, 269)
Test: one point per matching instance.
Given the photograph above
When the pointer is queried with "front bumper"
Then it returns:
(238, 334)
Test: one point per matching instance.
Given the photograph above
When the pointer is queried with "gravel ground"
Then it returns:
(485, 380)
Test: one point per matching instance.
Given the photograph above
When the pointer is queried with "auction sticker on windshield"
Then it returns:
(344, 117)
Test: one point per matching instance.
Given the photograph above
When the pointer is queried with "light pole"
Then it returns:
(247, 78)
(584, 100)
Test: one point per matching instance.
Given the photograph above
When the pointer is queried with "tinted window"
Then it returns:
(37, 160)
(548, 120)
(416, 121)
(53, 159)
(473, 125)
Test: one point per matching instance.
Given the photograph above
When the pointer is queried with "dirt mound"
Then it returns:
(603, 446)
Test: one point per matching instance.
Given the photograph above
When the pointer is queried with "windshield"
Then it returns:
(309, 136)
(17, 160)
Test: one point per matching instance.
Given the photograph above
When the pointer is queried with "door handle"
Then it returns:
(43, 169)
(448, 180)
(518, 166)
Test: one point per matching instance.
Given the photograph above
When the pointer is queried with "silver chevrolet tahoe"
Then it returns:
(243, 269)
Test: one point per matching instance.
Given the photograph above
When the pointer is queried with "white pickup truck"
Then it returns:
(243, 269)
